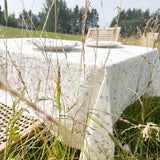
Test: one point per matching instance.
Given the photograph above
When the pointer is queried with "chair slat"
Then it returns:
(104, 34)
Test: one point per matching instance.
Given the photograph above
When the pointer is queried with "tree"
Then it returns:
(91, 21)
(35, 21)
(67, 21)
(75, 20)
(94, 18)
(63, 17)
(156, 13)
(155, 26)
(50, 26)
(24, 19)
(12, 21)
(146, 14)
(41, 19)
(2, 22)
(131, 20)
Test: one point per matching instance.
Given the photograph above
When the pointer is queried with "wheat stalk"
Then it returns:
(6, 12)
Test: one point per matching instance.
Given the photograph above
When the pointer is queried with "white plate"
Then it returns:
(52, 46)
(102, 44)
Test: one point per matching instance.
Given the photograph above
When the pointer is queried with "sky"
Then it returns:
(107, 9)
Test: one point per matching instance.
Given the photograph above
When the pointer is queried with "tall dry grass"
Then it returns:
(130, 143)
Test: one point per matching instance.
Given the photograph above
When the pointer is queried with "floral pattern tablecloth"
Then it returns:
(93, 84)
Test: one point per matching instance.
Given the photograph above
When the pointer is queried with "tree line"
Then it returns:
(131, 21)
(12, 21)
(135, 21)
(67, 20)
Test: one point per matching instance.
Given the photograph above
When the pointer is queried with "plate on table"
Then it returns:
(53, 46)
(102, 44)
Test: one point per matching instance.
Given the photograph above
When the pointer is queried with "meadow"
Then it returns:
(129, 141)
(10, 32)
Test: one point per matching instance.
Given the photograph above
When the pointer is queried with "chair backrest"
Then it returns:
(104, 34)
(149, 39)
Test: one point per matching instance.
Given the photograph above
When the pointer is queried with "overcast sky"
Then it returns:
(107, 9)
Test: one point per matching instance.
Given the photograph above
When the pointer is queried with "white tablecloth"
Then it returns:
(106, 81)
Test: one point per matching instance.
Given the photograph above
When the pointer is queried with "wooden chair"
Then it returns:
(149, 39)
(25, 126)
(104, 34)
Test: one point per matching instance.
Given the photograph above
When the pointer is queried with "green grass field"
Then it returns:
(10, 32)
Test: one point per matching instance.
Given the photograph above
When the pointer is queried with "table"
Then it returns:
(99, 82)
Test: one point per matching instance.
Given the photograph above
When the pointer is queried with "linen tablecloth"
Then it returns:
(93, 84)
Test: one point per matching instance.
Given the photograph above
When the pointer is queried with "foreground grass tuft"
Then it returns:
(139, 143)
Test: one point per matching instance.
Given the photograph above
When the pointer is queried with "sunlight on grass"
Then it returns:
(10, 32)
